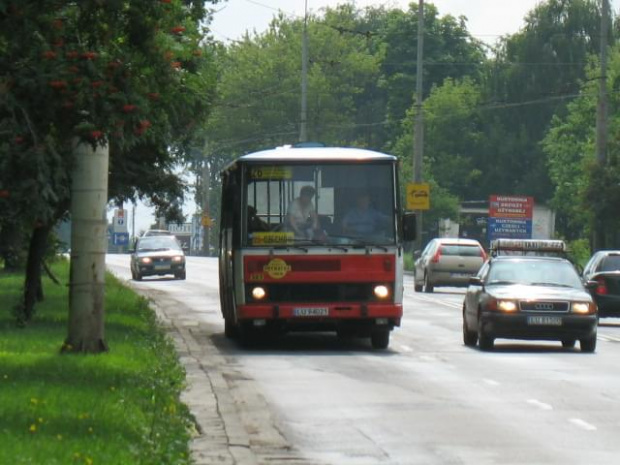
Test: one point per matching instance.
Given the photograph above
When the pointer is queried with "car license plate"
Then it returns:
(544, 320)
(460, 275)
(161, 267)
(311, 311)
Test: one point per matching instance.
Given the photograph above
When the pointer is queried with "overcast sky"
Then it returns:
(487, 20)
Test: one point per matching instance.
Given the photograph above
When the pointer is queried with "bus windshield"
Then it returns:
(320, 204)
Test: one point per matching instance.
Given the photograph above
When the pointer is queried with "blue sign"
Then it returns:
(121, 238)
(509, 228)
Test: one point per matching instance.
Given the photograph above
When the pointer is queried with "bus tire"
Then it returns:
(380, 339)
(230, 328)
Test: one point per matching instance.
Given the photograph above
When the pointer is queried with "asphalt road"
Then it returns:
(428, 399)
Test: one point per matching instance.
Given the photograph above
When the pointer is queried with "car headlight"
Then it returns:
(381, 291)
(259, 293)
(146, 260)
(581, 307)
(507, 306)
(177, 259)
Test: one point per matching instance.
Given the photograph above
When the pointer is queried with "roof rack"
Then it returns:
(539, 247)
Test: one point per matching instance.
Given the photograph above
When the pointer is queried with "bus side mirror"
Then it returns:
(409, 226)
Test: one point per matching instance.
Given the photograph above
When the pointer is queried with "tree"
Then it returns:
(130, 75)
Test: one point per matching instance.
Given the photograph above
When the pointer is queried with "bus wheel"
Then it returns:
(230, 328)
(380, 339)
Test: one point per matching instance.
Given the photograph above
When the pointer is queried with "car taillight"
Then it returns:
(601, 289)
(437, 256)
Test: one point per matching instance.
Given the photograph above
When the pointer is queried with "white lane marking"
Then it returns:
(440, 302)
(582, 424)
(491, 382)
(406, 349)
(607, 338)
(539, 404)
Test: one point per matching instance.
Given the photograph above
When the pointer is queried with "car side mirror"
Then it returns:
(475, 281)
(591, 285)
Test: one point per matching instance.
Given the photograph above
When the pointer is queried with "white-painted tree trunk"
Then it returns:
(89, 196)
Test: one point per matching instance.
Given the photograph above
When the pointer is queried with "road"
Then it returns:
(428, 399)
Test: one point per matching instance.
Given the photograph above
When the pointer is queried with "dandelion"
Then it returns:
(34, 401)
(90, 429)
(40, 420)
(33, 428)
(59, 437)
(88, 461)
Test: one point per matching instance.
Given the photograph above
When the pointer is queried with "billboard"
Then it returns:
(510, 217)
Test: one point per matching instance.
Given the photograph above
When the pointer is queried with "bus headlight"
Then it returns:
(580, 307)
(259, 293)
(381, 291)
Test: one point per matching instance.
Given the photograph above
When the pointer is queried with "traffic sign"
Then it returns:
(418, 196)
(121, 238)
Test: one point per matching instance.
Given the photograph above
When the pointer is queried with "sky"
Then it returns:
(487, 20)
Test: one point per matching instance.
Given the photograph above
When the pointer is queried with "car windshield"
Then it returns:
(534, 272)
(610, 263)
(158, 243)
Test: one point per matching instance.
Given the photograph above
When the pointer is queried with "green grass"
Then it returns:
(120, 407)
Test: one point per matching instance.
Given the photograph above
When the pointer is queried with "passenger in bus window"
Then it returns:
(363, 219)
(302, 218)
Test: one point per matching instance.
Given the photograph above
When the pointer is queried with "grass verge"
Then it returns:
(121, 407)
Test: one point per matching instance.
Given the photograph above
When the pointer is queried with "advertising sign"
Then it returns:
(510, 217)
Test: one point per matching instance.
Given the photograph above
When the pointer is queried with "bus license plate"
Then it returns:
(544, 320)
(311, 311)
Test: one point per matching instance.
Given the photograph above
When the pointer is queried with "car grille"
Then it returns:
(544, 306)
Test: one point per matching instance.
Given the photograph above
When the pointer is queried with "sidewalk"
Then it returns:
(234, 423)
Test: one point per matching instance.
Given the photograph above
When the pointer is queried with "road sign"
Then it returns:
(418, 196)
(121, 238)
(206, 220)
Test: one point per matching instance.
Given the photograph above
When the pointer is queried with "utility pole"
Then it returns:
(601, 119)
(418, 131)
(303, 130)
(206, 214)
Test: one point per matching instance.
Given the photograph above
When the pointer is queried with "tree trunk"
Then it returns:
(89, 194)
(33, 288)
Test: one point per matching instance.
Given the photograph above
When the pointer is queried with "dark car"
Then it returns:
(604, 268)
(157, 256)
(529, 297)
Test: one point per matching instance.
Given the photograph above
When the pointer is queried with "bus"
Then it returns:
(312, 239)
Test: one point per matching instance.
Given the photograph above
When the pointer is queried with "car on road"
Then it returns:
(529, 297)
(157, 256)
(604, 268)
(157, 232)
(447, 262)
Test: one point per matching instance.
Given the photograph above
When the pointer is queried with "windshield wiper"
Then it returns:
(358, 243)
(285, 247)
(501, 282)
(550, 284)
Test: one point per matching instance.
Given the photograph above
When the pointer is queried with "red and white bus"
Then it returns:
(340, 269)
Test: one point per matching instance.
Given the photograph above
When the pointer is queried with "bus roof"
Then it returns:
(288, 154)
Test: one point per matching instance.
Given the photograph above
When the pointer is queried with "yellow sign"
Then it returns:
(206, 220)
(277, 268)
(271, 172)
(272, 238)
(418, 196)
